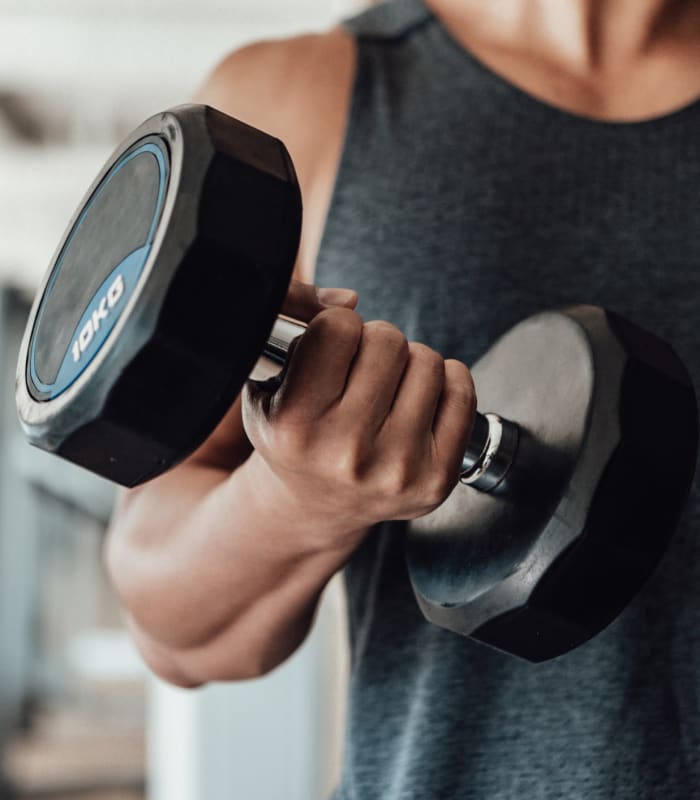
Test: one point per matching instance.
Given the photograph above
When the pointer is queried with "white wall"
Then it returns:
(277, 738)
(85, 72)
(81, 73)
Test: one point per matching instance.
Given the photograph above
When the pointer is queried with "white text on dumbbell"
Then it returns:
(92, 326)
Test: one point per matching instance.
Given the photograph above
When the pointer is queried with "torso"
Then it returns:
(649, 87)
(308, 83)
(463, 204)
(458, 205)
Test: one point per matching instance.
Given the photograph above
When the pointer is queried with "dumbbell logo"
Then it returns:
(94, 322)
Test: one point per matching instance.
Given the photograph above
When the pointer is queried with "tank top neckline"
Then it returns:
(459, 53)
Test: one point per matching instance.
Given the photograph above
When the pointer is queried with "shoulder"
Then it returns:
(290, 87)
(296, 89)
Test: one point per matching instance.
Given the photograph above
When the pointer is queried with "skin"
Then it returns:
(616, 60)
(220, 563)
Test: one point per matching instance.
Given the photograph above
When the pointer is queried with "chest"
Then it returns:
(456, 232)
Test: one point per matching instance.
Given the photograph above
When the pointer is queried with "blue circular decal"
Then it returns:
(104, 308)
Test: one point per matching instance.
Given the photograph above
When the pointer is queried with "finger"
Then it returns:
(318, 368)
(418, 395)
(304, 300)
(454, 419)
(376, 373)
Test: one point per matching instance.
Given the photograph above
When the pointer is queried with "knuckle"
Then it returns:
(385, 335)
(348, 464)
(441, 483)
(397, 479)
(461, 383)
(381, 327)
(337, 322)
(426, 358)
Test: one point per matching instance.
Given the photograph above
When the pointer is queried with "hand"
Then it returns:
(304, 300)
(227, 447)
(364, 427)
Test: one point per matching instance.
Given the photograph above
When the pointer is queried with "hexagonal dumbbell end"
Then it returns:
(161, 294)
(608, 432)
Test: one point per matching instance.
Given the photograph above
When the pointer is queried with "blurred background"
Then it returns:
(79, 715)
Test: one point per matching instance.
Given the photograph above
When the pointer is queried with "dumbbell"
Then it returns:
(164, 297)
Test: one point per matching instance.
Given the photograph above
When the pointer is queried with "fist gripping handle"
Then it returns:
(493, 442)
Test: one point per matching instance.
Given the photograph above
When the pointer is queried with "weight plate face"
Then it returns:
(161, 295)
(556, 552)
(468, 557)
(98, 268)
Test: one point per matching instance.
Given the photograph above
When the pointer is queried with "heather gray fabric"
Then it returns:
(463, 205)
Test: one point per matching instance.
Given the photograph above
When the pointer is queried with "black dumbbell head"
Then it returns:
(606, 455)
(161, 295)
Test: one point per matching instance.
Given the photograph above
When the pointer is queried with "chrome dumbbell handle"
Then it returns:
(493, 442)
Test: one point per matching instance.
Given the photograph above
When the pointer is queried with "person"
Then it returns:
(463, 165)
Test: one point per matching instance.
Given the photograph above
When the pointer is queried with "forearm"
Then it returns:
(221, 571)
(235, 655)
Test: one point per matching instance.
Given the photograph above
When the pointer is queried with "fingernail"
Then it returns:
(335, 297)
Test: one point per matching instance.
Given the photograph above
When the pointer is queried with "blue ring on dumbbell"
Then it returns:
(108, 302)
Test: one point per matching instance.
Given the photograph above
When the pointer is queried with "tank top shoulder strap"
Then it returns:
(394, 68)
(391, 19)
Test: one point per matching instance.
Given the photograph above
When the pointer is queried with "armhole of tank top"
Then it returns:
(355, 102)
(414, 15)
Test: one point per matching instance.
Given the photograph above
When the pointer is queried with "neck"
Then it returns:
(588, 35)
(599, 34)
(608, 59)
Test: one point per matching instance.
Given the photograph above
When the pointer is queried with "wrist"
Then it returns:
(312, 524)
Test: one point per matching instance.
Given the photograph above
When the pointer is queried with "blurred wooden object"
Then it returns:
(73, 754)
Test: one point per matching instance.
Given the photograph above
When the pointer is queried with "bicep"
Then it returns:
(297, 90)
(235, 87)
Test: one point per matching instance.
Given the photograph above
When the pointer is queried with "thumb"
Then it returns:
(304, 300)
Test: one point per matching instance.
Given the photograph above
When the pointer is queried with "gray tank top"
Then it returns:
(462, 205)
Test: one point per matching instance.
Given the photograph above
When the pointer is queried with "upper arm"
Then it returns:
(297, 90)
